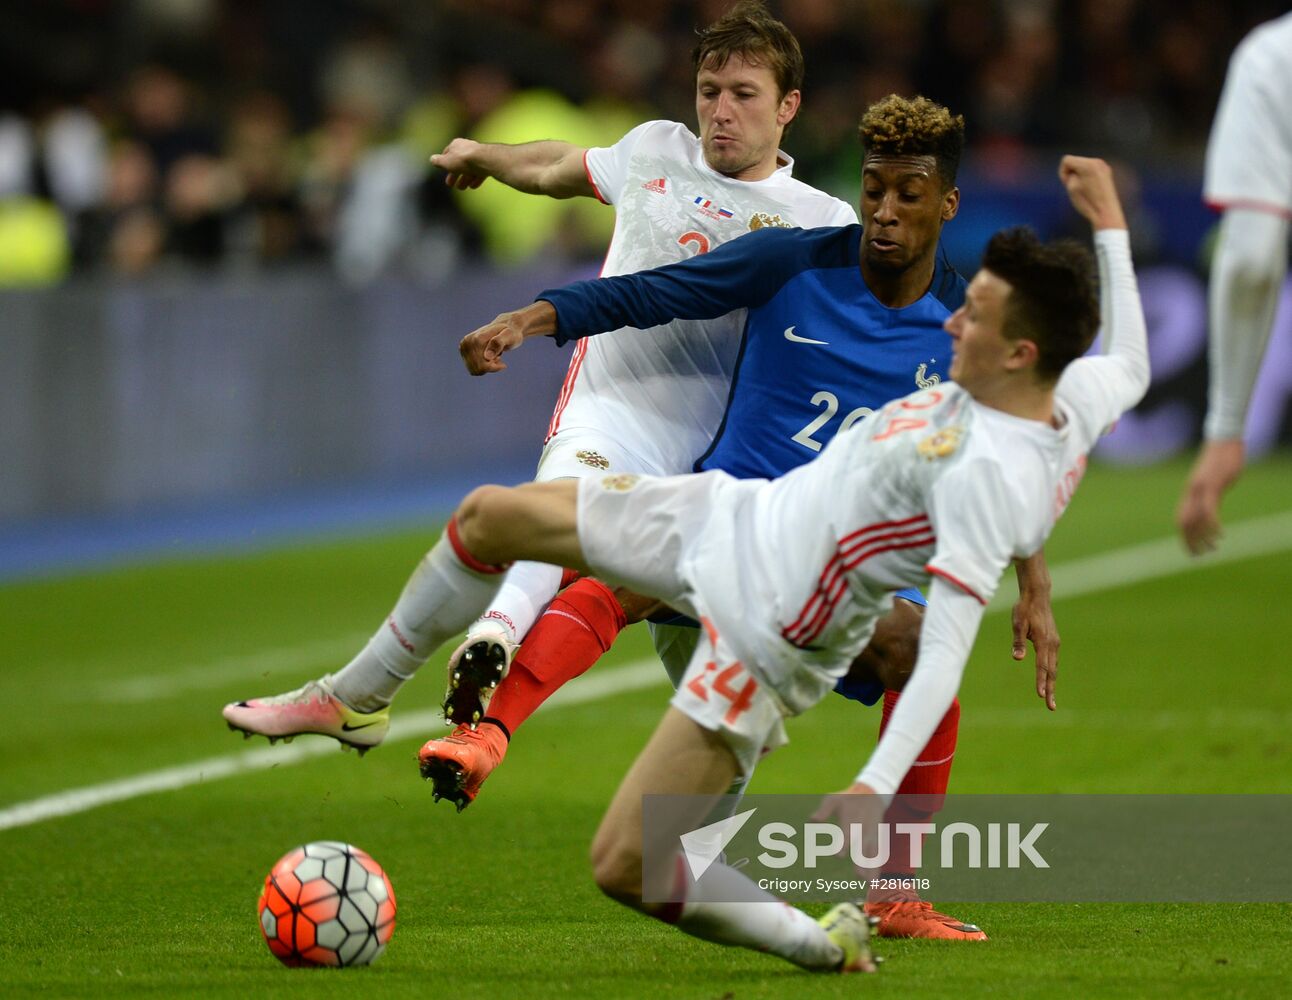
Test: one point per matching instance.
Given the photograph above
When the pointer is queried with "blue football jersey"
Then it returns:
(818, 350)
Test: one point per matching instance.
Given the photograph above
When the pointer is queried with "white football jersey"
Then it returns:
(1249, 154)
(935, 484)
(661, 393)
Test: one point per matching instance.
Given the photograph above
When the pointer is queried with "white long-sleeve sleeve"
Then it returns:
(946, 639)
(1246, 277)
(1103, 387)
(1121, 316)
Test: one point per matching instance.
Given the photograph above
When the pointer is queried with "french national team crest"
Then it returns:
(592, 460)
(621, 482)
(924, 380)
(941, 443)
(761, 220)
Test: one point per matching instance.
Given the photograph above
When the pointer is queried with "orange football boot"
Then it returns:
(902, 914)
(458, 764)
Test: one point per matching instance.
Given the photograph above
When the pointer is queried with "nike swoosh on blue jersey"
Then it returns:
(791, 335)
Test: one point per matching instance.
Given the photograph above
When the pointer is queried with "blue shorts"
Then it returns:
(868, 692)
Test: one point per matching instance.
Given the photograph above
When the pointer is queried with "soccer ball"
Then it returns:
(327, 903)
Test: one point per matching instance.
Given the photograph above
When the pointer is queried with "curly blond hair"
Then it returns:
(914, 126)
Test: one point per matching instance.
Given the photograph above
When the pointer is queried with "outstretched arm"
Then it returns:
(743, 273)
(549, 167)
(1246, 278)
(1118, 380)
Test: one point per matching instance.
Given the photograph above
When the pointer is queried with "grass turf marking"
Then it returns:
(634, 676)
(1120, 567)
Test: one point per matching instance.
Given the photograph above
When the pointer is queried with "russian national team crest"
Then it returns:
(761, 220)
(592, 460)
(619, 483)
(941, 443)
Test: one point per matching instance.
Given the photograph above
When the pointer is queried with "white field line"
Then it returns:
(1151, 560)
(217, 673)
(1120, 567)
(420, 725)
(1261, 536)
(1239, 722)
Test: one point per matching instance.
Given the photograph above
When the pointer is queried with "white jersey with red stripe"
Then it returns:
(660, 394)
(935, 483)
(793, 573)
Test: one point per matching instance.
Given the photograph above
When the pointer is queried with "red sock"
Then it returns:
(922, 791)
(579, 625)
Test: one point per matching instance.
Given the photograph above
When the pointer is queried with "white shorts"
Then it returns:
(651, 534)
(719, 694)
(578, 452)
(641, 531)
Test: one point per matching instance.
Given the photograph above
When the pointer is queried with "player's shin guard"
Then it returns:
(446, 592)
(579, 625)
(921, 794)
(727, 907)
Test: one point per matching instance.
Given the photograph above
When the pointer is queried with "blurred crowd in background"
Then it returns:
(146, 137)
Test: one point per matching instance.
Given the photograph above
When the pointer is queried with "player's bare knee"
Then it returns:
(616, 868)
(637, 607)
(478, 516)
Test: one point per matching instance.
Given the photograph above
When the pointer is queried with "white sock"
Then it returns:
(441, 597)
(524, 595)
(759, 920)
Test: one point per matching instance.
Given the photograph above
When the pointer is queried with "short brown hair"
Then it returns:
(1053, 299)
(914, 126)
(749, 30)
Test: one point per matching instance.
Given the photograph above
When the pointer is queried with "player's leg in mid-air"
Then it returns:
(577, 628)
(584, 620)
(483, 658)
(531, 641)
(352, 705)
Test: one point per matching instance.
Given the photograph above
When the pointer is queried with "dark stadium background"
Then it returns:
(231, 288)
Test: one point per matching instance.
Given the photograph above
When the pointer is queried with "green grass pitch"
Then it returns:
(1175, 684)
